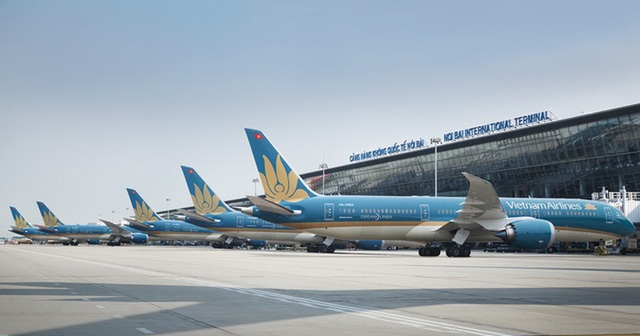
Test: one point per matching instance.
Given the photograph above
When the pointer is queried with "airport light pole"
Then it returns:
(255, 186)
(168, 211)
(323, 166)
(435, 141)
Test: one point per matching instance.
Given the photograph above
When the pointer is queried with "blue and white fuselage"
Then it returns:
(80, 233)
(422, 219)
(36, 234)
(166, 229)
(240, 225)
(76, 233)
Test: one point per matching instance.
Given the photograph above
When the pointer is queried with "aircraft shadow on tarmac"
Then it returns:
(208, 308)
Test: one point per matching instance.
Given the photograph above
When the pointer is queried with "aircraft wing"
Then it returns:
(46, 229)
(481, 209)
(196, 216)
(117, 229)
(137, 223)
(268, 206)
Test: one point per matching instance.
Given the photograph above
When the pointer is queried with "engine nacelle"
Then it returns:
(372, 245)
(93, 241)
(139, 238)
(529, 234)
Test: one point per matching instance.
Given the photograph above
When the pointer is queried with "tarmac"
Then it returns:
(165, 290)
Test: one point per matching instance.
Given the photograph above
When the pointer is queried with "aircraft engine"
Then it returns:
(529, 234)
(139, 238)
(92, 241)
(372, 245)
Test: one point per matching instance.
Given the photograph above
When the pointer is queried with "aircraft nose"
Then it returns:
(629, 228)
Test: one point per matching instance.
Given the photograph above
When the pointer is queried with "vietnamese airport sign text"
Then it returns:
(406, 145)
(396, 148)
(497, 126)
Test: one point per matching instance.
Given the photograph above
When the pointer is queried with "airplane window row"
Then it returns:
(582, 213)
(390, 211)
(554, 213)
(519, 213)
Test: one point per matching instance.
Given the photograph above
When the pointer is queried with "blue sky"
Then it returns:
(99, 96)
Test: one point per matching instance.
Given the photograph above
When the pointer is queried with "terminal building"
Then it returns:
(577, 157)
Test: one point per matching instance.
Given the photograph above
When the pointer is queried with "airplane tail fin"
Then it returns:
(47, 216)
(21, 223)
(143, 211)
(279, 181)
(204, 199)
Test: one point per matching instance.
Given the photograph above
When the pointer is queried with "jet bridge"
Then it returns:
(629, 204)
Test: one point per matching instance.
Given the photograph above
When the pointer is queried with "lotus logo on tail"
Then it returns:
(21, 223)
(205, 202)
(280, 185)
(144, 213)
(50, 219)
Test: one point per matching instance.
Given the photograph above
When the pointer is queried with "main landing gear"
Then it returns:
(458, 251)
(429, 251)
(320, 248)
(451, 251)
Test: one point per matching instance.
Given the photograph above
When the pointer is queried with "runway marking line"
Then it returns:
(144, 330)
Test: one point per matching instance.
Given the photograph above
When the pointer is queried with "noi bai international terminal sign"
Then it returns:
(497, 126)
(471, 132)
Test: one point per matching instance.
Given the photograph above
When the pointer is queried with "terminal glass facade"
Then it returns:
(570, 158)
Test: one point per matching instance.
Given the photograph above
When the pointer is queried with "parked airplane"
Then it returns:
(212, 212)
(24, 228)
(146, 220)
(125, 234)
(524, 223)
(93, 234)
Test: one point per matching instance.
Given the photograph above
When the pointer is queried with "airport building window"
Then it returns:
(561, 159)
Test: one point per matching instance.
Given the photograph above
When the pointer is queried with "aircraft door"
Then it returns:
(608, 215)
(328, 211)
(424, 212)
(239, 221)
(535, 213)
